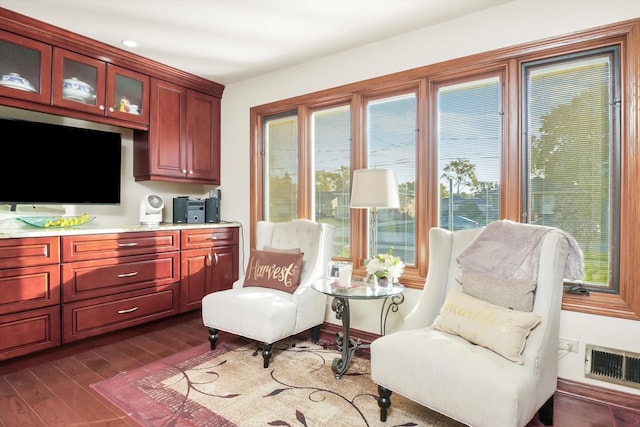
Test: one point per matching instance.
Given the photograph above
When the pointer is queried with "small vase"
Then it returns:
(371, 280)
(386, 282)
(383, 282)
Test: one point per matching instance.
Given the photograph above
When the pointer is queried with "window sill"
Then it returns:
(599, 304)
(595, 303)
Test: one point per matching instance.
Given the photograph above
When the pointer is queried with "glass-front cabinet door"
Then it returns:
(25, 66)
(78, 82)
(127, 94)
(90, 85)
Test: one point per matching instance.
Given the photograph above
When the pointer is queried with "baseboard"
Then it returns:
(599, 394)
(328, 332)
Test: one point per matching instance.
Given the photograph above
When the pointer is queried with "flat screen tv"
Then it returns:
(54, 164)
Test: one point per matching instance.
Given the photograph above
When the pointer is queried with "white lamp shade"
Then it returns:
(374, 188)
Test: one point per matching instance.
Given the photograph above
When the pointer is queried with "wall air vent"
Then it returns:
(613, 366)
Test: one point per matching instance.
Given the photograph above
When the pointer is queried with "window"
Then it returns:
(382, 134)
(544, 133)
(469, 147)
(331, 140)
(281, 168)
(391, 143)
(572, 139)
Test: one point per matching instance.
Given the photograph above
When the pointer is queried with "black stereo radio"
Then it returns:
(195, 211)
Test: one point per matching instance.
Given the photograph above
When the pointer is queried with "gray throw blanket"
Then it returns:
(508, 249)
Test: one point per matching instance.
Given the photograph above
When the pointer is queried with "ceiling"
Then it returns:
(230, 40)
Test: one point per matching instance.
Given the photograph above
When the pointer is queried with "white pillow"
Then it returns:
(499, 329)
(513, 293)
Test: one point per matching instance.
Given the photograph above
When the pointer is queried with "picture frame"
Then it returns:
(339, 273)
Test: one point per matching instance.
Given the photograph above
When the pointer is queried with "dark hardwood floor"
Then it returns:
(53, 388)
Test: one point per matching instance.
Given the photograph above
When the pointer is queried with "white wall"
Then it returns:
(513, 23)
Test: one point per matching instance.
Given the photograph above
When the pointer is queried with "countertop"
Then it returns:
(14, 228)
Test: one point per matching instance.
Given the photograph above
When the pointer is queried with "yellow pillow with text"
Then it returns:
(497, 328)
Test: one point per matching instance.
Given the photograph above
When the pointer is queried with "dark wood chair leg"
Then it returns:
(384, 402)
(266, 353)
(546, 412)
(315, 333)
(213, 337)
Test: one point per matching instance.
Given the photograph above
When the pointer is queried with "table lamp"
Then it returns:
(374, 189)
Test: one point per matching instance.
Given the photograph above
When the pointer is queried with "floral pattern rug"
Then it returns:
(230, 387)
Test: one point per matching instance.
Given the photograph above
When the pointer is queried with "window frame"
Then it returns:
(625, 304)
(613, 51)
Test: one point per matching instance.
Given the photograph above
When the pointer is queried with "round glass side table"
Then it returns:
(340, 305)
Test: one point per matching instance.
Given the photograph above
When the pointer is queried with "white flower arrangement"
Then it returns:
(385, 265)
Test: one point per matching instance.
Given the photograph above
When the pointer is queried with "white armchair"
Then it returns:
(467, 382)
(268, 315)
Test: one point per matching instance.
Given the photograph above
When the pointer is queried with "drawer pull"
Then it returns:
(135, 273)
(127, 244)
(212, 238)
(129, 310)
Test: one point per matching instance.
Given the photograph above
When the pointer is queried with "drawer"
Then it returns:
(101, 246)
(89, 279)
(84, 319)
(29, 331)
(208, 237)
(27, 288)
(25, 252)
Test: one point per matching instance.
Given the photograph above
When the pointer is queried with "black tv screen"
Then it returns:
(55, 164)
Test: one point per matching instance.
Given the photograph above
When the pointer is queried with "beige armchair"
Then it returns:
(490, 383)
(267, 313)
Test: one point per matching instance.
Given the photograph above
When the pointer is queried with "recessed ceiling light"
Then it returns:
(129, 43)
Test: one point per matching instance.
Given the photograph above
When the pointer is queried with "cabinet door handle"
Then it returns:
(127, 244)
(135, 273)
(216, 255)
(101, 107)
(128, 310)
(208, 260)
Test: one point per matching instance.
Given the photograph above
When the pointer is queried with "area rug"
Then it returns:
(230, 387)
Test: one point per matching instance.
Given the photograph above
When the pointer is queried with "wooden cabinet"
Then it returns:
(48, 56)
(25, 68)
(177, 120)
(183, 140)
(113, 281)
(29, 295)
(102, 277)
(209, 263)
(100, 246)
(93, 86)
(56, 290)
(203, 138)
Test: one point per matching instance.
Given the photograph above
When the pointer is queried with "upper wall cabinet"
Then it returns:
(183, 141)
(175, 114)
(203, 137)
(93, 86)
(25, 68)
